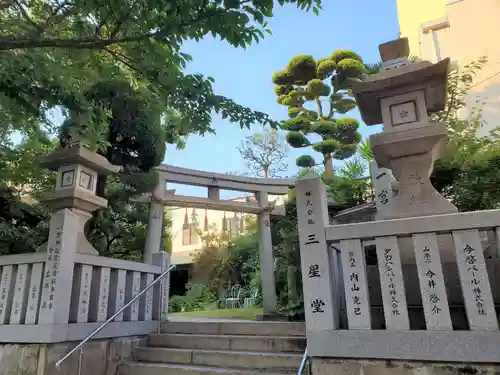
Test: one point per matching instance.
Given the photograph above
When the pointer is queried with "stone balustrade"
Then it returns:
(46, 298)
(429, 298)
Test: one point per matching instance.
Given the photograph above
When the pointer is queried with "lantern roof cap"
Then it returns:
(397, 76)
(78, 154)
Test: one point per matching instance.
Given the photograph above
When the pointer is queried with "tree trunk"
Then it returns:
(328, 162)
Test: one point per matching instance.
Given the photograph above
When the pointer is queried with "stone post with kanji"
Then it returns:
(317, 261)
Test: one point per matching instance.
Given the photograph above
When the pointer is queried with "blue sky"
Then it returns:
(245, 75)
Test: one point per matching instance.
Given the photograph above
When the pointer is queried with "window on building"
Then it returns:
(433, 40)
(190, 229)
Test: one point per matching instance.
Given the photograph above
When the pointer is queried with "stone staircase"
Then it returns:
(200, 347)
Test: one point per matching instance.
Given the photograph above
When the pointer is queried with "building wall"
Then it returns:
(182, 253)
(463, 30)
(413, 13)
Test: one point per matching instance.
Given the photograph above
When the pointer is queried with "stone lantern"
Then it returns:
(77, 171)
(401, 96)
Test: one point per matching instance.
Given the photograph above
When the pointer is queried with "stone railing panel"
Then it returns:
(20, 292)
(392, 283)
(474, 281)
(98, 288)
(117, 293)
(431, 282)
(34, 293)
(99, 311)
(355, 284)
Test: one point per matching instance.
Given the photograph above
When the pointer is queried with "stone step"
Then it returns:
(141, 368)
(236, 328)
(221, 358)
(229, 342)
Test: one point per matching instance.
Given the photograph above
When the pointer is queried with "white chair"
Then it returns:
(251, 299)
(233, 297)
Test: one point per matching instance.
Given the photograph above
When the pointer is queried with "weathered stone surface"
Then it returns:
(324, 366)
(328, 367)
(93, 359)
(19, 359)
(100, 357)
(121, 349)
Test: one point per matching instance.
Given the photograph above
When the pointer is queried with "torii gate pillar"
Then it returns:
(155, 222)
(269, 302)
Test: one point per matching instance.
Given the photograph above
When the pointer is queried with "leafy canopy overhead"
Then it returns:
(324, 82)
(115, 72)
(52, 52)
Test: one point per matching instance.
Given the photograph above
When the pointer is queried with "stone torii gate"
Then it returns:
(214, 182)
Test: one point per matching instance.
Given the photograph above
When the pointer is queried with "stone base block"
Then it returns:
(327, 366)
(100, 357)
(271, 317)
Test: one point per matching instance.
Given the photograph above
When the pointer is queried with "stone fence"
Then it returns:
(429, 297)
(51, 297)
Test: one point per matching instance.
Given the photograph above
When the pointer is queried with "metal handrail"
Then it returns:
(305, 360)
(99, 329)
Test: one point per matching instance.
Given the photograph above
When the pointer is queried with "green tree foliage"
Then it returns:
(132, 135)
(52, 52)
(225, 260)
(324, 82)
(115, 74)
(23, 227)
(23, 222)
(351, 185)
(469, 171)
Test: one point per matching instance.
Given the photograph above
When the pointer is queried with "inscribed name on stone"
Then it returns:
(6, 283)
(50, 273)
(104, 295)
(162, 290)
(59, 267)
(431, 281)
(133, 289)
(392, 283)
(316, 273)
(355, 283)
(474, 280)
(383, 181)
(100, 295)
(148, 305)
(117, 292)
(34, 293)
(19, 302)
(84, 297)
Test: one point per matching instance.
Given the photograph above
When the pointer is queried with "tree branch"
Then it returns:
(7, 43)
(320, 108)
(27, 17)
(85, 43)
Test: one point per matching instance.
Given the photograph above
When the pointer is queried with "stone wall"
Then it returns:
(100, 357)
(324, 366)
